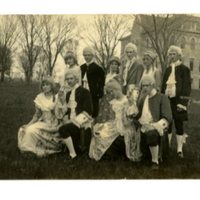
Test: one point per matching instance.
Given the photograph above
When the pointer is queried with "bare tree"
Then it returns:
(55, 33)
(105, 35)
(162, 31)
(29, 42)
(8, 37)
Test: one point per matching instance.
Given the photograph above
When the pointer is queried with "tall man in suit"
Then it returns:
(177, 86)
(132, 70)
(93, 78)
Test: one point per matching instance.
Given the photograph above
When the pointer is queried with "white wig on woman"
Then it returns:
(113, 85)
(174, 48)
(151, 54)
(131, 46)
(49, 80)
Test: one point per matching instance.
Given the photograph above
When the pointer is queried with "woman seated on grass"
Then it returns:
(40, 136)
(118, 126)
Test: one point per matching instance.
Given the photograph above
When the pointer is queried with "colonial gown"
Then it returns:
(116, 124)
(41, 137)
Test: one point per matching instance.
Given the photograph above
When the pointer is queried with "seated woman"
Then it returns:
(40, 136)
(118, 123)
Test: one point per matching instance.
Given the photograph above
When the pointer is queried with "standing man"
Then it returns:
(93, 78)
(132, 70)
(177, 86)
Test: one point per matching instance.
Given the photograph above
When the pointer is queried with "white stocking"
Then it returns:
(170, 138)
(154, 153)
(70, 146)
(179, 139)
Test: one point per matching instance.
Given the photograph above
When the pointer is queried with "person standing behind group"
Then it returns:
(132, 70)
(93, 78)
(113, 69)
(150, 69)
(177, 86)
(72, 63)
(69, 62)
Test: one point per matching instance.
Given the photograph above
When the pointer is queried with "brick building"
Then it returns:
(188, 40)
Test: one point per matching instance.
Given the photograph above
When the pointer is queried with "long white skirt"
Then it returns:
(37, 139)
(106, 133)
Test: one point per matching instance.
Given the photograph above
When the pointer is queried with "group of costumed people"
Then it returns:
(128, 111)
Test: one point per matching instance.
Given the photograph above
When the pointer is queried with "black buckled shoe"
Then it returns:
(180, 154)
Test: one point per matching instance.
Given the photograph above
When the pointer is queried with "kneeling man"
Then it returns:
(79, 111)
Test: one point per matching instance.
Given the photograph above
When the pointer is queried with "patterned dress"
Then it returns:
(41, 137)
(105, 111)
(118, 124)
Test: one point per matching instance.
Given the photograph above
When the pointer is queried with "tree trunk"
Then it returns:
(2, 76)
(28, 77)
(50, 70)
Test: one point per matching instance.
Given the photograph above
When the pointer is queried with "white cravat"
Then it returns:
(72, 102)
(85, 82)
(171, 82)
(146, 116)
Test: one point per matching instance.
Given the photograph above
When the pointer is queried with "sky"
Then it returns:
(84, 24)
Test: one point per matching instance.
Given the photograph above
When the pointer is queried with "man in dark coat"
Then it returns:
(79, 110)
(177, 86)
(154, 118)
(93, 78)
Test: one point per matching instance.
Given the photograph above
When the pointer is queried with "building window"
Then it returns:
(199, 83)
(198, 27)
(183, 42)
(192, 43)
(191, 64)
(193, 26)
(182, 26)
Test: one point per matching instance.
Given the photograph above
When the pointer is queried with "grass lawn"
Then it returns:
(17, 108)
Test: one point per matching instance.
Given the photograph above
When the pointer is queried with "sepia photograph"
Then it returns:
(100, 96)
(99, 99)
